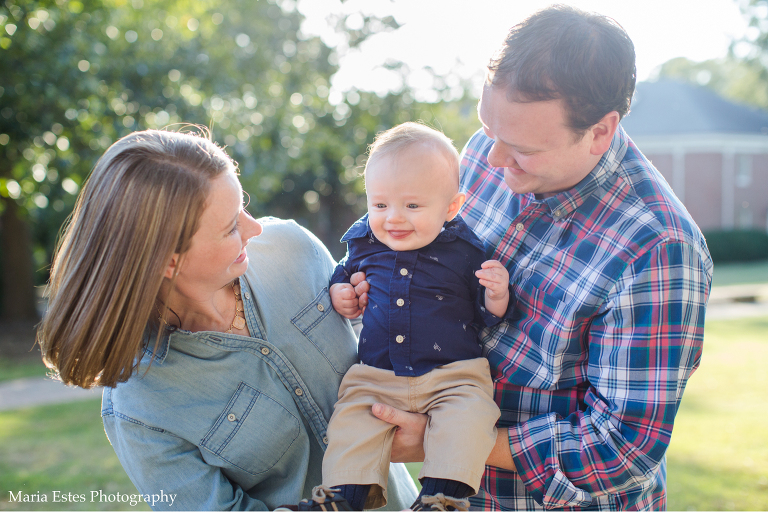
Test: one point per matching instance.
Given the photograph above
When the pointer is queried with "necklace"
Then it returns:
(239, 321)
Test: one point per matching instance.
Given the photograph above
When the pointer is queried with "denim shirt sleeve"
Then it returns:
(171, 465)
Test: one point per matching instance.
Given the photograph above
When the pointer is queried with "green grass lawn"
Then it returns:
(718, 459)
(59, 448)
(740, 273)
(12, 369)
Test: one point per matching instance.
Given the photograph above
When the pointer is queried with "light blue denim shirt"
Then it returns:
(230, 422)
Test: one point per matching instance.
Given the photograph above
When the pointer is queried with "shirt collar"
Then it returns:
(452, 230)
(564, 203)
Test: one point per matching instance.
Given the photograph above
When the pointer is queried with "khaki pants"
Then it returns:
(460, 434)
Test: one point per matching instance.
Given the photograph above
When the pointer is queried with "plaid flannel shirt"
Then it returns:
(610, 281)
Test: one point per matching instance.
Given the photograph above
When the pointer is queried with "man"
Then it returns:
(609, 272)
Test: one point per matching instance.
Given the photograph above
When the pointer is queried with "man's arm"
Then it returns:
(642, 347)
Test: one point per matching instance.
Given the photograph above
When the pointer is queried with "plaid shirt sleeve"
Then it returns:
(642, 350)
(611, 281)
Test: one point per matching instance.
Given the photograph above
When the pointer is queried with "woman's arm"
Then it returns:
(408, 445)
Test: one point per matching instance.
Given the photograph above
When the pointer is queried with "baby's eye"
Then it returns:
(379, 205)
(412, 206)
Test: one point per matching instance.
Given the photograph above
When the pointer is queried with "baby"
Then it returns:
(418, 348)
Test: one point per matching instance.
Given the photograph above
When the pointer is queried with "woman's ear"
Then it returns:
(455, 205)
(171, 268)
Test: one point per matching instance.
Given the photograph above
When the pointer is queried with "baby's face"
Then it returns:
(410, 196)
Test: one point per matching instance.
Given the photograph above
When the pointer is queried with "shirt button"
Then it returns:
(265, 351)
(400, 338)
(231, 417)
(320, 307)
(247, 295)
(403, 271)
(400, 302)
(519, 226)
(299, 391)
(325, 439)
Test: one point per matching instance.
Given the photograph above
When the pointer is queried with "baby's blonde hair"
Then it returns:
(405, 135)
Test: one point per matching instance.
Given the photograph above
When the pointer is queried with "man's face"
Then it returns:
(533, 143)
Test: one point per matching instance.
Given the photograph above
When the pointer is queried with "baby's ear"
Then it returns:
(455, 205)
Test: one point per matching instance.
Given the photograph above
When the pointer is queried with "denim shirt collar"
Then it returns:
(562, 204)
(158, 352)
(453, 229)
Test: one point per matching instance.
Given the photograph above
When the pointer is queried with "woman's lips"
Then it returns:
(242, 256)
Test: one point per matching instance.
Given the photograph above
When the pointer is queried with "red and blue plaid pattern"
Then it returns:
(611, 281)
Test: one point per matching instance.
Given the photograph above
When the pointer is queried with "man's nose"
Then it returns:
(497, 157)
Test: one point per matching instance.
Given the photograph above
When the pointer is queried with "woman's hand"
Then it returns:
(408, 445)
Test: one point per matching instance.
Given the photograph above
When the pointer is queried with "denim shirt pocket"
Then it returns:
(322, 326)
(245, 436)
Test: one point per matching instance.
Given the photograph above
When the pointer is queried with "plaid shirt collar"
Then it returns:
(562, 204)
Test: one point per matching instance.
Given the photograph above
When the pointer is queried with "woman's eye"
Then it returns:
(234, 229)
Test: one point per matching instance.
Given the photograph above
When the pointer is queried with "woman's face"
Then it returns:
(217, 252)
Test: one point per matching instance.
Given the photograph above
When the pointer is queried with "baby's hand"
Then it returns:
(495, 278)
(344, 300)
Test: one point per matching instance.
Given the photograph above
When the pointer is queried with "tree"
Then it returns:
(75, 75)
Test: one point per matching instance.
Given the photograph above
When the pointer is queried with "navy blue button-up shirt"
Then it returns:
(425, 307)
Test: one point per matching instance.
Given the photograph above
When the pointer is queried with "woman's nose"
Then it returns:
(252, 227)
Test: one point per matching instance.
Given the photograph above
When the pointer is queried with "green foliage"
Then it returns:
(737, 245)
(77, 75)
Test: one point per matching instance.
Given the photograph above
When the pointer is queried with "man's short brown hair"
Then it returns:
(585, 59)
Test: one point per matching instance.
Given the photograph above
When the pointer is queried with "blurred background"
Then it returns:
(295, 91)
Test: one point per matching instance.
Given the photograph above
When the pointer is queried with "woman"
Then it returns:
(220, 360)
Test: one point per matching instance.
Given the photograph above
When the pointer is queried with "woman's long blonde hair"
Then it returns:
(141, 204)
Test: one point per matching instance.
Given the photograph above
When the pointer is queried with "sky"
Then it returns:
(457, 37)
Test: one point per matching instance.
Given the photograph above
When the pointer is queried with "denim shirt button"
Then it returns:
(320, 307)
(265, 351)
(299, 391)
(325, 439)
(231, 417)
(247, 295)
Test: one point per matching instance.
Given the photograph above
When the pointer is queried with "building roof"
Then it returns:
(670, 107)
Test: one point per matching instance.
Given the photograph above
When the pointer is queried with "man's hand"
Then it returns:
(345, 300)
(408, 445)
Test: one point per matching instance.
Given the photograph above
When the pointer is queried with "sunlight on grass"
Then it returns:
(718, 458)
(59, 448)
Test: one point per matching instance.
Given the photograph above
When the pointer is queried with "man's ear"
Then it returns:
(171, 268)
(602, 133)
(455, 205)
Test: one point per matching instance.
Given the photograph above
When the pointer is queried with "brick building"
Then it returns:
(713, 152)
